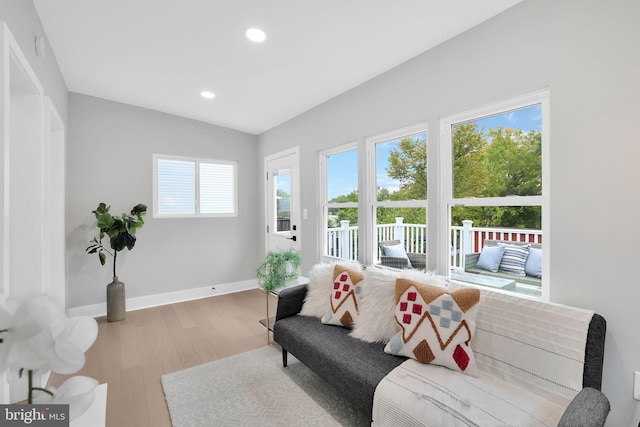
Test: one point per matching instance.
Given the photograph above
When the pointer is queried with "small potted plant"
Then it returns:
(276, 269)
(121, 231)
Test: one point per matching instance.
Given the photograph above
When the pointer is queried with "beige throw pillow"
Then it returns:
(436, 325)
(344, 296)
(376, 318)
(316, 302)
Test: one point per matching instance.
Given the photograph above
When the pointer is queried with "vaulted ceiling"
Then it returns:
(161, 54)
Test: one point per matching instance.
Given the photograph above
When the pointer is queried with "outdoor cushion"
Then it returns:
(490, 258)
(533, 267)
(514, 259)
(397, 251)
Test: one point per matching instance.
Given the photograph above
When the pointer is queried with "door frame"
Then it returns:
(296, 183)
(54, 279)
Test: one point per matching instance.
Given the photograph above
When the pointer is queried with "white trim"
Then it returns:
(500, 201)
(513, 103)
(295, 185)
(17, 80)
(139, 303)
(323, 204)
(54, 184)
(197, 161)
(399, 133)
(372, 180)
(6, 169)
(539, 97)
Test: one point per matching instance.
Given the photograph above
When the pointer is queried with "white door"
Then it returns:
(283, 201)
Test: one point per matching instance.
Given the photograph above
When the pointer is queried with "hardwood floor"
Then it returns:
(132, 355)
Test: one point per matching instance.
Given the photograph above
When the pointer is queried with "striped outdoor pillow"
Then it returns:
(514, 259)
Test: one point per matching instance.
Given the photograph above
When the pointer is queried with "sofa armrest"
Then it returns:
(594, 353)
(290, 301)
(588, 409)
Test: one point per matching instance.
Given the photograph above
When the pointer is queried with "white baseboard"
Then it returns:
(138, 303)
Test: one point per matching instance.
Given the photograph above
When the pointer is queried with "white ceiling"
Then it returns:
(160, 54)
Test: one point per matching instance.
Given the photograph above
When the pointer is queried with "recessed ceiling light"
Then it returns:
(256, 35)
(207, 95)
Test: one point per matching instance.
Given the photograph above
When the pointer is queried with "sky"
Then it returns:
(526, 119)
(283, 181)
(342, 168)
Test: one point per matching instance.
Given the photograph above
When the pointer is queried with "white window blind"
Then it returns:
(217, 195)
(176, 187)
(185, 187)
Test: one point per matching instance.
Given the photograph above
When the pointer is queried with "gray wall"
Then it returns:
(110, 160)
(24, 23)
(587, 53)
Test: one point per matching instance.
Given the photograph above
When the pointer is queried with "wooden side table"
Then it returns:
(270, 320)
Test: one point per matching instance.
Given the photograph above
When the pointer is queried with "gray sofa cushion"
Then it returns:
(352, 366)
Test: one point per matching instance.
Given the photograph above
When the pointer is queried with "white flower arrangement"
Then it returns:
(38, 337)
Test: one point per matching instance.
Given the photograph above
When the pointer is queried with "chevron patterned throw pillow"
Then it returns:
(343, 300)
(436, 325)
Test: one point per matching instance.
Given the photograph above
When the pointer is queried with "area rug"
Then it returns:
(254, 389)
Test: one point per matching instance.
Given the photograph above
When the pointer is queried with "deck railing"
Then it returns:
(467, 239)
(342, 242)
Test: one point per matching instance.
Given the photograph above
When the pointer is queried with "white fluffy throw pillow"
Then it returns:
(376, 320)
(316, 302)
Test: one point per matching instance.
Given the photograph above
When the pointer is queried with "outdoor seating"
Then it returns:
(411, 260)
(471, 260)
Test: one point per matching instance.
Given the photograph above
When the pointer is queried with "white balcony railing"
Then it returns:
(467, 239)
(342, 242)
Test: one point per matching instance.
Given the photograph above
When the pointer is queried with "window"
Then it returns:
(496, 189)
(282, 181)
(398, 168)
(186, 187)
(339, 193)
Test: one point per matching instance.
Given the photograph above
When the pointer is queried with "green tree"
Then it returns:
(514, 163)
(408, 165)
(283, 204)
(409, 215)
(341, 214)
(496, 163)
(470, 178)
(501, 162)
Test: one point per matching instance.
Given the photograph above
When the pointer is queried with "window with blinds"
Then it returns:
(185, 187)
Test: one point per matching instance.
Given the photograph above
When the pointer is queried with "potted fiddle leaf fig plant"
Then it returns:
(121, 231)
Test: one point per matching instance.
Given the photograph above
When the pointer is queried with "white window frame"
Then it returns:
(372, 193)
(446, 176)
(324, 204)
(197, 162)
